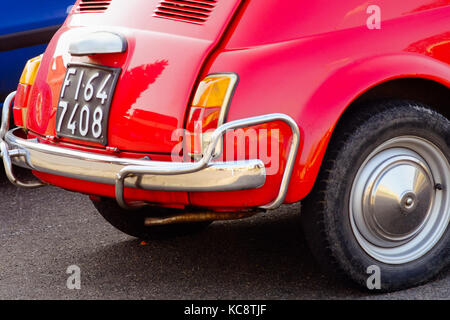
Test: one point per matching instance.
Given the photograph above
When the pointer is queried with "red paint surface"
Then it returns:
(307, 59)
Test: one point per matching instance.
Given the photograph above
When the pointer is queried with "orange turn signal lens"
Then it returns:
(208, 110)
(212, 91)
(23, 91)
(30, 71)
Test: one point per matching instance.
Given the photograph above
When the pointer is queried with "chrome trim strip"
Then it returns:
(234, 79)
(290, 162)
(5, 114)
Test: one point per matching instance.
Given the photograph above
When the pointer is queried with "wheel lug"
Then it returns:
(409, 202)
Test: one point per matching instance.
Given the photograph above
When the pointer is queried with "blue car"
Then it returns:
(25, 29)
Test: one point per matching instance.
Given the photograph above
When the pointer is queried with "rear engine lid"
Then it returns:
(167, 43)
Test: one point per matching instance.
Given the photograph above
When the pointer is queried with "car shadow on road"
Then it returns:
(264, 257)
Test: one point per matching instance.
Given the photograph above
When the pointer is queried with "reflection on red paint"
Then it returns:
(140, 79)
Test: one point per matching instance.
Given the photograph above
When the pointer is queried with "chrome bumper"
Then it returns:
(204, 175)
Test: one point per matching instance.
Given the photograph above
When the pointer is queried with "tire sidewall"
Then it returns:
(349, 254)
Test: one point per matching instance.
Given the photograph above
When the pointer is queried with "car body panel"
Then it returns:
(147, 72)
(317, 77)
(309, 60)
(26, 28)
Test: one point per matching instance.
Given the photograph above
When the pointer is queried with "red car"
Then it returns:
(172, 114)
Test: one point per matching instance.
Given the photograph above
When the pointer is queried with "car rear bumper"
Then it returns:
(167, 176)
(204, 175)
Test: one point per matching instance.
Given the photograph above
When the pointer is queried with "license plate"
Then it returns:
(84, 102)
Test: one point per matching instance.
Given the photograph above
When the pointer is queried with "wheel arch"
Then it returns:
(419, 89)
(401, 76)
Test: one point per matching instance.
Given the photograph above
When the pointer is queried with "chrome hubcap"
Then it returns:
(396, 199)
(397, 213)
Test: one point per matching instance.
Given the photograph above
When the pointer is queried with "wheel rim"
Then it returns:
(400, 200)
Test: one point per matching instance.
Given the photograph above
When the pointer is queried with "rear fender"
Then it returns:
(312, 95)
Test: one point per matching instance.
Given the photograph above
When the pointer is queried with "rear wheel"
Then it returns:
(383, 196)
(132, 222)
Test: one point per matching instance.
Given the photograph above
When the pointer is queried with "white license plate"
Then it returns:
(84, 102)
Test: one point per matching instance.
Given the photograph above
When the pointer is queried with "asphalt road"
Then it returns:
(43, 231)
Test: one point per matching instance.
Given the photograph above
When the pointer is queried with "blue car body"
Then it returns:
(25, 29)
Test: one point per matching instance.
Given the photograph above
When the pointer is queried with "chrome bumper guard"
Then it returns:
(205, 175)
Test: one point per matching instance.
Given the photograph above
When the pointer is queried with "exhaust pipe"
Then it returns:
(199, 217)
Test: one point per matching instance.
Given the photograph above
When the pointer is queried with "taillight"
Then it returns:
(23, 91)
(208, 110)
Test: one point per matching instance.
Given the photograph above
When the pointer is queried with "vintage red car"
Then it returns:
(171, 114)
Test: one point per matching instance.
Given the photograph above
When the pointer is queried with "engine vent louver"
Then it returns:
(89, 6)
(193, 11)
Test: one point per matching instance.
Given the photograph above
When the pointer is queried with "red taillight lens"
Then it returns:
(23, 91)
(208, 110)
(20, 104)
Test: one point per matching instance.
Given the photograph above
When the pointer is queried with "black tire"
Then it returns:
(326, 215)
(131, 222)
